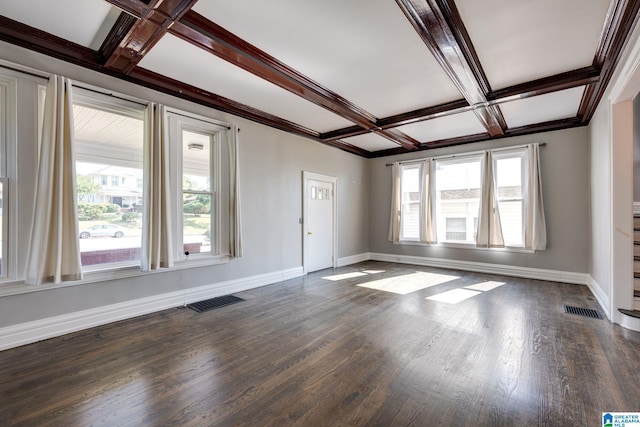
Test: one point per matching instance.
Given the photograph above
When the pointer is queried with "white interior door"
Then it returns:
(319, 222)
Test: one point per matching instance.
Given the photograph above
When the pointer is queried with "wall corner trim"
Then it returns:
(600, 296)
(37, 330)
(354, 259)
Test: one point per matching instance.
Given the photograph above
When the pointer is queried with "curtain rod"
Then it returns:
(450, 156)
(46, 76)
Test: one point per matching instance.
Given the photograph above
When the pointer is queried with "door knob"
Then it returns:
(309, 233)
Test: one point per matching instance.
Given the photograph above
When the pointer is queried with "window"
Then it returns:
(109, 141)
(457, 198)
(197, 191)
(509, 169)
(410, 210)
(456, 229)
(198, 172)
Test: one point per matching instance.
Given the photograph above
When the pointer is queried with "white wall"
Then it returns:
(271, 165)
(600, 201)
(565, 182)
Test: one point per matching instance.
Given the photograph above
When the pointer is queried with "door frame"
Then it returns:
(306, 175)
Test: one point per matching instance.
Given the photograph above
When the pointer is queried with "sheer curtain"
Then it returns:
(535, 233)
(489, 233)
(394, 219)
(235, 217)
(427, 197)
(157, 246)
(54, 254)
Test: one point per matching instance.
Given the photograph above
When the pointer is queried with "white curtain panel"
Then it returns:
(428, 219)
(157, 246)
(54, 254)
(235, 217)
(489, 233)
(394, 220)
(535, 233)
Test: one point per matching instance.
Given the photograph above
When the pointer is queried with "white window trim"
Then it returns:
(177, 121)
(8, 174)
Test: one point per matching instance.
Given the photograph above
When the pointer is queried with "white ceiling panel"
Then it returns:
(370, 142)
(521, 40)
(183, 61)
(543, 108)
(85, 22)
(444, 127)
(364, 50)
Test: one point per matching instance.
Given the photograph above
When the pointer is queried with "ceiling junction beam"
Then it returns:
(440, 27)
(152, 24)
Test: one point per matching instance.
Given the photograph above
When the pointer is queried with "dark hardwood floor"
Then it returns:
(320, 352)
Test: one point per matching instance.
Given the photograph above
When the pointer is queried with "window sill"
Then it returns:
(121, 271)
(468, 246)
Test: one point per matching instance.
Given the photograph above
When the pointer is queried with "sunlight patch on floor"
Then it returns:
(484, 286)
(409, 282)
(454, 296)
(337, 277)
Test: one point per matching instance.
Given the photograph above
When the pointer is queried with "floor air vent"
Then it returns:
(212, 303)
(579, 311)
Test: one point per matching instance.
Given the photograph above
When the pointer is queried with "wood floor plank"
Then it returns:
(364, 349)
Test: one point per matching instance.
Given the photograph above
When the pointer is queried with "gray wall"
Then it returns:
(565, 182)
(271, 165)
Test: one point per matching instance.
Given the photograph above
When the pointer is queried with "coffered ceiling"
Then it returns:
(372, 77)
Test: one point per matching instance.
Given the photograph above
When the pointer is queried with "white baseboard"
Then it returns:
(354, 259)
(481, 267)
(600, 296)
(636, 208)
(29, 332)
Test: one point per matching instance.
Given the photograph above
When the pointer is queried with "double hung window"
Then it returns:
(198, 171)
(458, 183)
(509, 169)
(461, 188)
(109, 147)
(410, 195)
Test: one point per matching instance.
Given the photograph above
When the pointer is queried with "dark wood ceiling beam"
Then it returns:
(465, 139)
(562, 81)
(439, 25)
(198, 30)
(621, 19)
(390, 122)
(567, 80)
(118, 32)
(153, 22)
